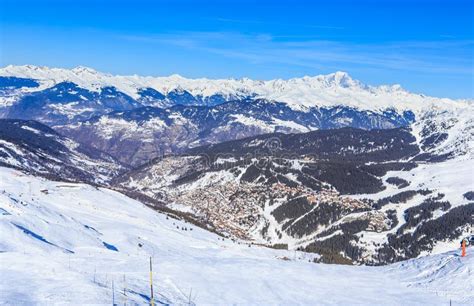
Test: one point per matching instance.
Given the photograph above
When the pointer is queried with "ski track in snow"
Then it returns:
(88, 221)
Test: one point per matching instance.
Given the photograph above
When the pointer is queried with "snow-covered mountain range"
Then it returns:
(300, 93)
(139, 118)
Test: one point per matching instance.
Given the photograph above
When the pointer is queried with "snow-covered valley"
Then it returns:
(74, 243)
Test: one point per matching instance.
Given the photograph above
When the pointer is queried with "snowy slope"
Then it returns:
(68, 245)
(300, 93)
(446, 133)
(36, 148)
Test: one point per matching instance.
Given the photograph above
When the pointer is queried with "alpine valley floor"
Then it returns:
(64, 243)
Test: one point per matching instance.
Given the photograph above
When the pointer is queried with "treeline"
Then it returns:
(343, 144)
(401, 197)
(332, 248)
(469, 195)
(399, 182)
(417, 214)
(380, 169)
(449, 226)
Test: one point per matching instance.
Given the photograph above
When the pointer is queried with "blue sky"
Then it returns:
(426, 46)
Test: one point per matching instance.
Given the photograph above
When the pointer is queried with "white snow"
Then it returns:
(69, 109)
(249, 121)
(8, 99)
(196, 264)
(11, 146)
(25, 127)
(291, 125)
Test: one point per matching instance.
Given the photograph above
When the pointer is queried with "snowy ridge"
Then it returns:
(94, 236)
(448, 133)
(35, 148)
(300, 93)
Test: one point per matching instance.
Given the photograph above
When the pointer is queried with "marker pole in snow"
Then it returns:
(151, 284)
(113, 293)
(463, 247)
(124, 291)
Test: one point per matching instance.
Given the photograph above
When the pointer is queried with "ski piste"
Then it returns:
(193, 266)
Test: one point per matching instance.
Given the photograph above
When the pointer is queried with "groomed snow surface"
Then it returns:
(67, 243)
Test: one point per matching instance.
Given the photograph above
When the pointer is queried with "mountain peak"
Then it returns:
(176, 76)
(83, 69)
(341, 79)
(25, 68)
(341, 75)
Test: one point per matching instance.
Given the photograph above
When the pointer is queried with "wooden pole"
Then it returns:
(152, 302)
(463, 246)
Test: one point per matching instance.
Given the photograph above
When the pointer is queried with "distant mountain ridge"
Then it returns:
(300, 93)
(137, 135)
(138, 118)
